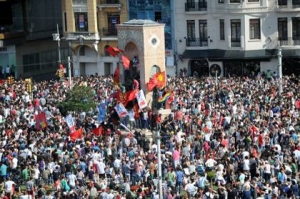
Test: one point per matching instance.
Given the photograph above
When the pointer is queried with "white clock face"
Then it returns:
(154, 41)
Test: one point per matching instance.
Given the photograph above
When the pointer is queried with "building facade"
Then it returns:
(89, 27)
(160, 11)
(237, 37)
(26, 45)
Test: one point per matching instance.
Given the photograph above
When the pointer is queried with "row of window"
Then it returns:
(43, 60)
(203, 3)
(235, 25)
(81, 23)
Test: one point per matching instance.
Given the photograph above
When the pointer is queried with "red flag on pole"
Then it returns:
(124, 98)
(152, 83)
(76, 134)
(40, 121)
(113, 51)
(98, 131)
(126, 62)
(161, 79)
(117, 76)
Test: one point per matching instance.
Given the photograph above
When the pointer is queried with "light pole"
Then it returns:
(159, 165)
(56, 37)
(279, 55)
(69, 72)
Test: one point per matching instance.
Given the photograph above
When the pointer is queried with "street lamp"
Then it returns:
(279, 55)
(157, 136)
(56, 37)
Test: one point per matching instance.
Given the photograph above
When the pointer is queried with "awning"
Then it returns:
(217, 54)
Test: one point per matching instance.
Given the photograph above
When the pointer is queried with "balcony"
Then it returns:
(109, 4)
(108, 32)
(196, 6)
(196, 42)
(288, 41)
(73, 36)
(288, 4)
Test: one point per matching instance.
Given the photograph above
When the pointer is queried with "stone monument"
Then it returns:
(143, 42)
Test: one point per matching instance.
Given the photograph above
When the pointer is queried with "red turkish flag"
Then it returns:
(126, 62)
(76, 134)
(98, 131)
(161, 79)
(124, 98)
(152, 83)
(113, 51)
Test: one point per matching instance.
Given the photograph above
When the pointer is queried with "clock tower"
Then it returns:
(143, 40)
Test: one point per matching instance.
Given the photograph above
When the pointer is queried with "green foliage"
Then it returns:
(78, 99)
(211, 175)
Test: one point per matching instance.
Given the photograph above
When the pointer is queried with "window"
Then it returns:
(31, 62)
(296, 3)
(253, 0)
(221, 1)
(203, 30)
(202, 4)
(282, 2)
(254, 28)
(65, 22)
(79, 2)
(296, 28)
(112, 20)
(282, 28)
(191, 30)
(235, 30)
(222, 29)
(235, 1)
(81, 22)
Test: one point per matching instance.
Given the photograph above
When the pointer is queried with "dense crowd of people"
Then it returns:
(237, 137)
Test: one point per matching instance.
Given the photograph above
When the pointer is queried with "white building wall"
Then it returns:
(267, 10)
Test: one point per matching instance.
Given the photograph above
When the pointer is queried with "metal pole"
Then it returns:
(69, 71)
(216, 78)
(279, 55)
(58, 44)
(159, 166)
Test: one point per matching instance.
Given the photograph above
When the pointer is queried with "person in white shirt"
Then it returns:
(8, 186)
(191, 188)
(25, 196)
(101, 168)
(246, 164)
(210, 163)
(72, 180)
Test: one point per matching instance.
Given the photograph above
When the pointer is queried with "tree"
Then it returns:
(79, 98)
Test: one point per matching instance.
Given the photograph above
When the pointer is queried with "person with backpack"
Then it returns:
(179, 179)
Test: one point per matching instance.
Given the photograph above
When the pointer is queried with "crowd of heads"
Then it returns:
(225, 138)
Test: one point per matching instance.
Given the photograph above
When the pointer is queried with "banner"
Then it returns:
(141, 99)
(70, 122)
(121, 110)
(102, 108)
(40, 121)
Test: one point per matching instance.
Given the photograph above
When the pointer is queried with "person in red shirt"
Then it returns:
(261, 141)
(158, 122)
